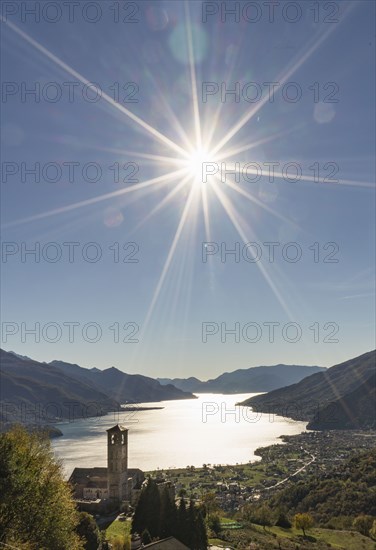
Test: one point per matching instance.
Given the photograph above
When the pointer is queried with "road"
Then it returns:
(313, 458)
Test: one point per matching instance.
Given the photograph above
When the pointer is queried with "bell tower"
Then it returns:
(117, 462)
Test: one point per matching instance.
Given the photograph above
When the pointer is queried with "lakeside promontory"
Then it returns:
(342, 397)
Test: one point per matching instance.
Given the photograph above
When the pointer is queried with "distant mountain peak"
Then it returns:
(252, 379)
(20, 356)
(342, 396)
(27, 382)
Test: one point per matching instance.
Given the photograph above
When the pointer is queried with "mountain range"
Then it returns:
(36, 393)
(124, 388)
(252, 380)
(342, 397)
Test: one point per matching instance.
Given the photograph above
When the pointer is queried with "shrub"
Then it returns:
(363, 524)
(283, 521)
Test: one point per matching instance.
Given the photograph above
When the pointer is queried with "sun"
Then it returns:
(196, 162)
(187, 163)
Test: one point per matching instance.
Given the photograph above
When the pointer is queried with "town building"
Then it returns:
(99, 488)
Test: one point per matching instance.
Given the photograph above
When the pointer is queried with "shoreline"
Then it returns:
(197, 439)
(280, 464)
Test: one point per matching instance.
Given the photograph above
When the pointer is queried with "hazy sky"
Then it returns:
(151, 63)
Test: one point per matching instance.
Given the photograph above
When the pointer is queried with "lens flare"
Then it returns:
(205, 140)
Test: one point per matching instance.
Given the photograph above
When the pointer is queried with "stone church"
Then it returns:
(116, 485)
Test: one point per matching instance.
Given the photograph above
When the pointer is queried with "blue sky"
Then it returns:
(170, 292)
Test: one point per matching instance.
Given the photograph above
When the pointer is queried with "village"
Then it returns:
(309, 453)
(230, 486)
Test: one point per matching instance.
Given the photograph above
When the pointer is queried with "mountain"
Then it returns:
(124, 388)
(37, 393)
(20, 356)
(75, 371)
(356, 409)
(341, 397)
(191, 384)
(33, 392)
(252, 380)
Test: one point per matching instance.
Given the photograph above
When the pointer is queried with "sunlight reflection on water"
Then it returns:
(177, 435)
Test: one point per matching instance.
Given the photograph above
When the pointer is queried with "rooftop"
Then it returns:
(117, 428)
(167, 544)
(96, 474)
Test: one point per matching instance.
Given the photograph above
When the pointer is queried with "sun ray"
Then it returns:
(205, 209)
(189, 158)
(150, 129)
(167, 199)
(234, 217)
(241, 149)
(172, 117)
(164, 179)
(169, 258)
(281, 79)
(196, 113)
(256, 201)
(147, 156)
(215, 118)
(239, 169)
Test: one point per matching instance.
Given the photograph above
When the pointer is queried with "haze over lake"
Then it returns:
(186, 432)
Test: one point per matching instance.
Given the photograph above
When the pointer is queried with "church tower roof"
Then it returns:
(117, 428)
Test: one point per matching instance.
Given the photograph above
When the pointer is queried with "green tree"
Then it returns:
(146, 538)
(264, 516)
(147, 512)
(139, 520)
(248, 513)
(156, 516)
(363, 524)
(210, 502)
(191, 521)
(153, 505)
(303, 522)
(283, 521)
(183, 533)
(201, 540)
(168, 515)
(88, 531)
(198, 539)
(36, 508)
(214, 523)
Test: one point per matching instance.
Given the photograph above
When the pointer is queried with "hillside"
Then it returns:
(356, 409)
(252, 380)
(320, 497)
(344, 386)
(54, 391)
(191, 384)
(125, 388)
(45, 391)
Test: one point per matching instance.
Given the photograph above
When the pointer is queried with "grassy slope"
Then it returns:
(290, 539)
(118, 530)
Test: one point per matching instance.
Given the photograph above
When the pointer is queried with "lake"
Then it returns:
(208, 430)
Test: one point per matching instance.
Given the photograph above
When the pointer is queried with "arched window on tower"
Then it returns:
(112, 439)
(123, 439)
